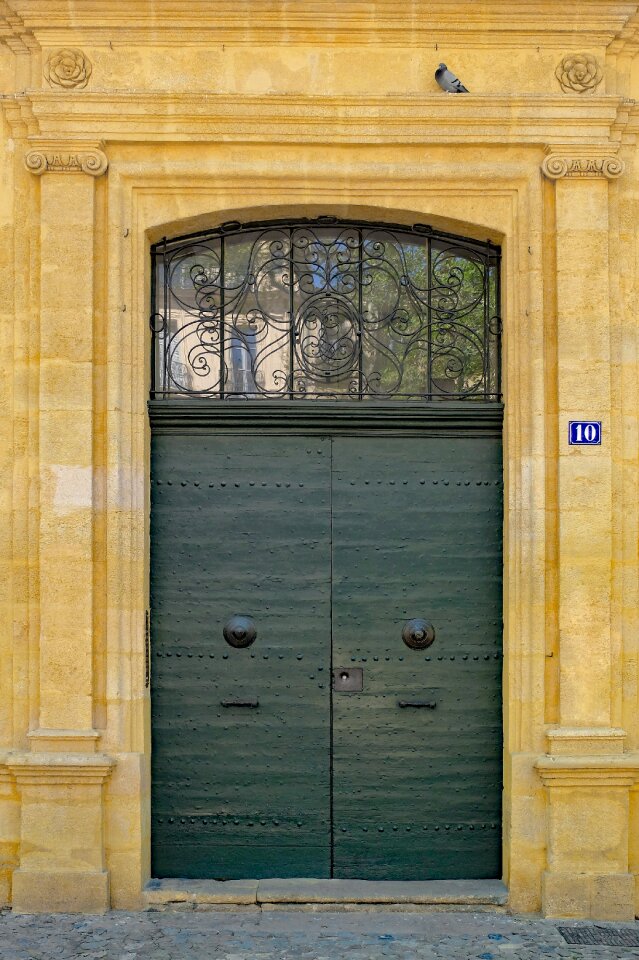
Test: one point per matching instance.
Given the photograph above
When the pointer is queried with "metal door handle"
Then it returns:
(418, 704)
(240, 631)
(241, 703)
(418, 634)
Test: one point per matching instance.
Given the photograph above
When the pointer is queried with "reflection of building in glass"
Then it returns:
(351, 311)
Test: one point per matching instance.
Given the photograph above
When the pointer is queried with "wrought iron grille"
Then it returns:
(326, 309)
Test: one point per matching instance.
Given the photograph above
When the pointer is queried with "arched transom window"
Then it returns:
(326, 309)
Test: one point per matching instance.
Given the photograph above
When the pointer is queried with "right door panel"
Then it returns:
(417, 533)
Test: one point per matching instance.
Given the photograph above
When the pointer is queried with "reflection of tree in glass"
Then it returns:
(425, 323)
(343, 310)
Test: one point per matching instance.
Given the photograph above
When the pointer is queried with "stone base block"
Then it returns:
(607, 896)
(60, 891)
(613, 897)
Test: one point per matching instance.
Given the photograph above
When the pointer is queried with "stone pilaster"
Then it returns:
(586, 774)
(584, 473)
(61, 780)
(67, 189)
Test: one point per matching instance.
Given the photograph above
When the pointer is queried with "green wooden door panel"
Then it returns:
(326, 541)
(417, 533)
(240, 526)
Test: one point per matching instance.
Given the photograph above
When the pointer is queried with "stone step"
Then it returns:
(310, 894)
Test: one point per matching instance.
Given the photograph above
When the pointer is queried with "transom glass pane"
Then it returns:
(316, 310)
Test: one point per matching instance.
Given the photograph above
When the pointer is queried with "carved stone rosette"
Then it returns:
(579, 73)
(93, 162)
(555, 167)
(68, 68)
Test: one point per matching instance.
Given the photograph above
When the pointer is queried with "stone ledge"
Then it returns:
(383, 891)
(585, 741)
(67, 741)
(159, 892)
(59, 768)
(341, 906)
(327, 894)
(126, 115)
(589, 771)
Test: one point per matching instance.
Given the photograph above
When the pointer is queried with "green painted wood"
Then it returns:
(328, 418)
(381, 525)
(240, 526)
(417, 527)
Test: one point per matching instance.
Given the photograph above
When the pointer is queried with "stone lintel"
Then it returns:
(582, 161)
(66, 119)
(66, 156)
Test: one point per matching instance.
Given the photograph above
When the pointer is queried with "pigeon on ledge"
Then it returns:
(448, 81)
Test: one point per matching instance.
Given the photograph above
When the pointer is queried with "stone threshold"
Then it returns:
(319, 895)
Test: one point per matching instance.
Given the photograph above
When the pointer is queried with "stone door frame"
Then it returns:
(109, 200)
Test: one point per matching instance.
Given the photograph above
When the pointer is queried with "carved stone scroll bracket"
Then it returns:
(557, 165)
(66, 159)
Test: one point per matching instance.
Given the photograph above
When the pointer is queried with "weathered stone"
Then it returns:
(172, 118)
(200, 891)
(436, 892)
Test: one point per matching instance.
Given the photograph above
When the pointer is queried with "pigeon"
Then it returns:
(448, 81)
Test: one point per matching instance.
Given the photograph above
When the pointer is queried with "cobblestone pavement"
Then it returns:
(280, 935)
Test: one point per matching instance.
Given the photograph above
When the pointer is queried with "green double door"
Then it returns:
(329, 746)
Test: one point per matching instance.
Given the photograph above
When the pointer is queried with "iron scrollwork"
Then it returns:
(324, 310)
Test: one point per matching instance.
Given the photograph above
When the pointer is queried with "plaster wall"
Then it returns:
(177, 120)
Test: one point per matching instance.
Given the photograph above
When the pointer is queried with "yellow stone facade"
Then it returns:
(127, 120)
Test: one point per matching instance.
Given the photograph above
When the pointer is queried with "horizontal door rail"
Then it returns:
(436, 418)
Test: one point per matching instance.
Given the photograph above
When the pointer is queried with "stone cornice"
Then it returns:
(5, 774)
(171, 22)
(50, 740)
(59, 768)
(13, 31)
(163, 116)
(60, 157)
(614, 771)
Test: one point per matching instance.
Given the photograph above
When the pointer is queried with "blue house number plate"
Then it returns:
(584, 432)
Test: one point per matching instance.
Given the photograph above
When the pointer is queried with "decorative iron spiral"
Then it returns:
(327, 310)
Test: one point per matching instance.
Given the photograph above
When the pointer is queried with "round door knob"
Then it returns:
(240, 631)
(418, 634)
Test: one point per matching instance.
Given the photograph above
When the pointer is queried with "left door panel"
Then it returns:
(240, 525)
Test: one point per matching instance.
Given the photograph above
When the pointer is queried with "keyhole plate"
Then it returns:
(348, 679)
